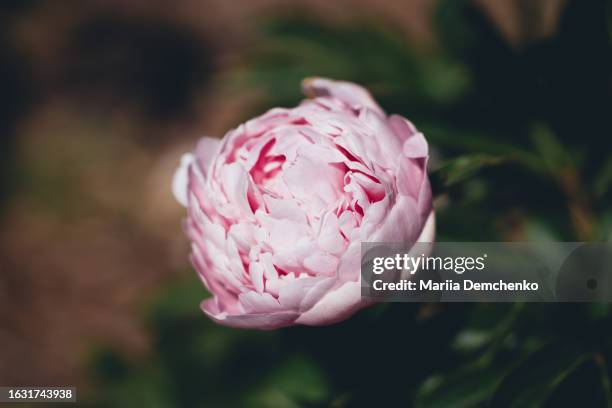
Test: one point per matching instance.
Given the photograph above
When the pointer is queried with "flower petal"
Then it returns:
(347, 92)
(181, 179)
(335, 306)
(262, 321)
(205, 151)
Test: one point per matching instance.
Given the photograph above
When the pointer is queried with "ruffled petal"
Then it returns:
(205, 151)
(335, 306)
(347, 92)
(262, 321)
(181, 179)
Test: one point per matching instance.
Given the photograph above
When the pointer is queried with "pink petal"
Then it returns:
(205, 151)
(321, 153)
(271, 119)
(330, 238)
(349, 268)
(235, 264)
(256, 271)
(208, 277)
(264, 321)
(212, 231)
(291, 295)
(348, 222)
(404, 222)
(284, 209)
(254, 155)
(428, 234)
(412, 181)
(290, 258)
(180, 180)
(312, 296)
(243, 234)
(281, 233)
(335, 306)
(402, 127)
(384, 134)
(347, 92)
(321, 264)
(410, 176)
(416, 146)
(374, 190)
(270, 271)
(235, 182)
(254, 302)
(315, 183)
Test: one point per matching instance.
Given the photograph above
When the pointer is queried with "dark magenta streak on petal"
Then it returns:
(267, 166)
(374, 196)
(371, 177)
(300, 121)
(348, 154)
(252, 199)
(358, 209)
(257, 172)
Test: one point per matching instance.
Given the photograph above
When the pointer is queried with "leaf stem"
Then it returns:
(600, 361)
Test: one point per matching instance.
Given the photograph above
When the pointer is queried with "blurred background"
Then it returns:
(100, 98)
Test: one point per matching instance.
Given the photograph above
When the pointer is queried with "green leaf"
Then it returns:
(471, 339)
(603, 181)
(477, 141)
(466, 387)
(462, 168)
(148, 388)
(295, 382)
(535, 378)
(553, 154)
(402, 78)
(178, 300)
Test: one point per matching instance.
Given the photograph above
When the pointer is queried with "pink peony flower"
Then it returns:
(278, 208)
